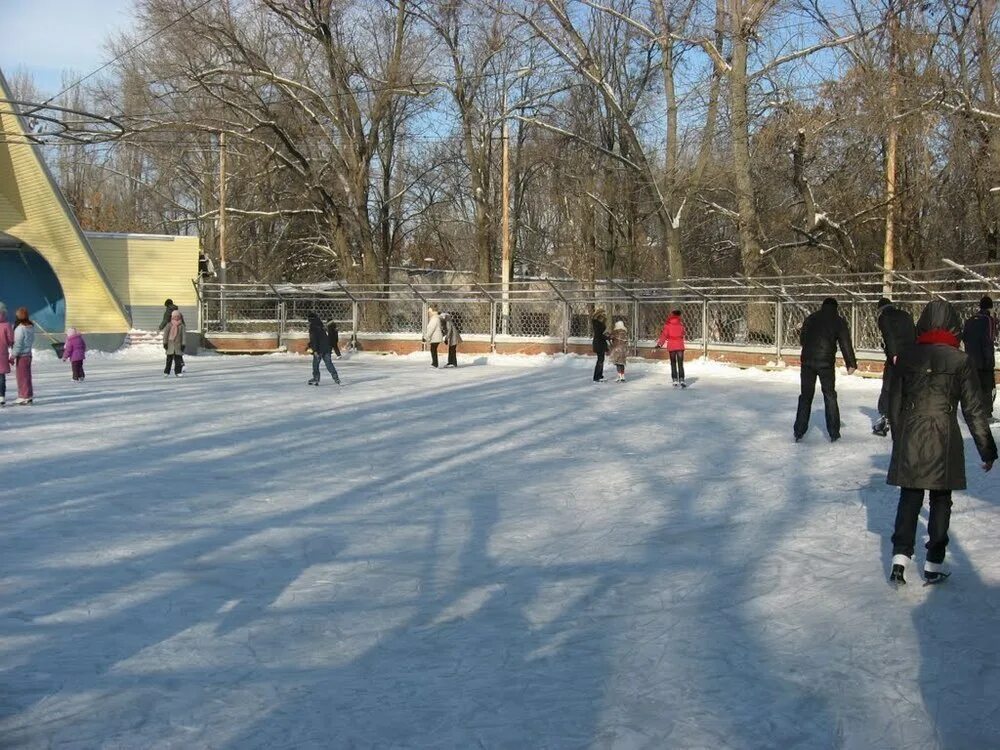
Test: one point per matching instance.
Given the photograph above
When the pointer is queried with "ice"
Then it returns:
(503, 556)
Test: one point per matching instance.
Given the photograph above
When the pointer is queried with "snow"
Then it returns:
(503, 556)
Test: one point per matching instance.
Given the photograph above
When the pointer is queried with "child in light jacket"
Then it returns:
(619, 349)
(20, 356)
(75, 350)
(673, 336)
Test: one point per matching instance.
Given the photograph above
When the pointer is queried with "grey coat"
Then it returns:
(452, 337)
(175, 345)
(932, 380)
(619, 347)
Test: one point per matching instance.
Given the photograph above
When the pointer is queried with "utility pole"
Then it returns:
(222, 206)
(505, 221)
(889, 251)
(222, 228)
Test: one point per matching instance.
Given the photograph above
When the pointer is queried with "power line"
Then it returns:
(131, 49)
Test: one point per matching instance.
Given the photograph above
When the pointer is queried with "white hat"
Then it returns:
(620, 325)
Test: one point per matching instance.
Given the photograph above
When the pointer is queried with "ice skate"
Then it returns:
(934, 573)
(881, 427)
(3, 401)
(677, 384)
(312, 381)
(897, 576)
(683, 384)
(24, 402)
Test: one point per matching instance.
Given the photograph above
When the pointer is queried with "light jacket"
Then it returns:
(24, 339)
(434, 335)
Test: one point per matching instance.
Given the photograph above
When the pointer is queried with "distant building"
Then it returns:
(102, 284)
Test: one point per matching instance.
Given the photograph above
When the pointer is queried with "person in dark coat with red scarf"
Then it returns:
(933, 377)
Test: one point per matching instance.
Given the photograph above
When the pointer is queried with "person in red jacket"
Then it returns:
(673, 335)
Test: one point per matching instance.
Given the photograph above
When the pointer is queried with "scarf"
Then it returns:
(938, 336)
(175, 325)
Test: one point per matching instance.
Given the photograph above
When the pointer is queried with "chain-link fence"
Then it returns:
(761, 314)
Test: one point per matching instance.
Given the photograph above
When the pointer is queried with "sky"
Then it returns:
(48, 37)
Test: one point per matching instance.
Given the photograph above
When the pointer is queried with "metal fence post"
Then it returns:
(779, 328)
(222, 307)
(423, 325)
(567, 313)
(704, 328)
(635, 327)
(854, 324)
(355, 322)
(282, 319)
(493, 327)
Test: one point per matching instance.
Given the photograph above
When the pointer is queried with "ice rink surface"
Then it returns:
(502, 556)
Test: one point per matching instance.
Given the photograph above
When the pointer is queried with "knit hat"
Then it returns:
(986, 303)
(884, 302)
(71, 332)
(620, 325)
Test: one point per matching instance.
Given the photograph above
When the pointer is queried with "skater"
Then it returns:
(452, 337)
(168, 311)
(821, 333)
(932, 378)
(334, 335)
(75, 350)
(319, 345)
(599, 320)
(619, 349)
(20, 355)
(433, 333)
(173, 344)
(980, 337)
(6, 342)
(898, 333)
(673, 336)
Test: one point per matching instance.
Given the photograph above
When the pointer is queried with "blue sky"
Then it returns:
(50, 36)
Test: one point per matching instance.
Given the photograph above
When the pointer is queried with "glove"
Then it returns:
(164, 347)
(183, 348)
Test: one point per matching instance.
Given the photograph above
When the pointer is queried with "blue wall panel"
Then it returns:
(27, 280)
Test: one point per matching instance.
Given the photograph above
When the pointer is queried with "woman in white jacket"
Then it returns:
(433, 333)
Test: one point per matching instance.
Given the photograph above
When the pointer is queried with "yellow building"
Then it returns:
(102, 284)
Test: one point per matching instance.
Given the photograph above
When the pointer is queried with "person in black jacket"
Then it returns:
(600, 322)
(898, 333)
(932, 378)
(980, 338)
(168, 309)
(821, 333)
(319, 345)
(334, 335)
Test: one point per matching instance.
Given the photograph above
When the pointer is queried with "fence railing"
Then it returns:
(761, 314)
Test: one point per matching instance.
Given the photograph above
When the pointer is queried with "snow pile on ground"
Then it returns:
(494, 556)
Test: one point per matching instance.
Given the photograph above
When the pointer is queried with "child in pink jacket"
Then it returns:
(6, 342)
(673, 336)
(75, 351)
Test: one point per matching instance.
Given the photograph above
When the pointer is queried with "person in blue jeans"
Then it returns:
(319, 345)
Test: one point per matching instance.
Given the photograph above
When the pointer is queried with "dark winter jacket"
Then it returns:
(821, 333)
(333, 333)
(167, 310)
(600, 322)
(979, 337)
(319, 342)
(898, 331)
(932, 378)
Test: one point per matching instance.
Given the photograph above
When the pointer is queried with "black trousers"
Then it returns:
(827, 381)
(986, 377)
(599, 367)
(177, 360)
(453, 355)
(905, 535)
(677, 365)
(888, 373)
(434, 355)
